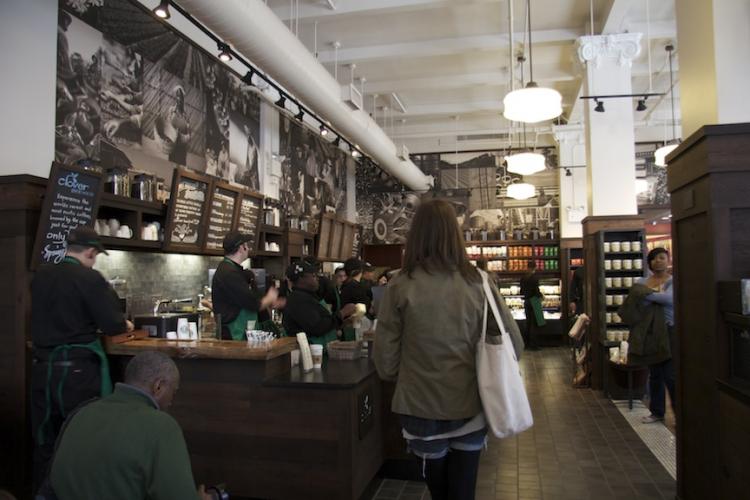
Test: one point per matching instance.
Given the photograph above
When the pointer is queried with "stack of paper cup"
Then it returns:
(183, 329)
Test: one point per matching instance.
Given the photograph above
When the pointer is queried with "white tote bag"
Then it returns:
(501, 388)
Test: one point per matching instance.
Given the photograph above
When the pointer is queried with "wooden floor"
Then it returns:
(580, 447)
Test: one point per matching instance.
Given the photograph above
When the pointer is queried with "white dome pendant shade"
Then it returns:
(641, 186)
(660, 155)
(521, 191)
(525, 163)
(532, 104)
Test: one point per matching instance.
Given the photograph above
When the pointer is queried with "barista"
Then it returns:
(231, 292)
(368, 275)
(70, 303)
(306, 312)
(354, 291)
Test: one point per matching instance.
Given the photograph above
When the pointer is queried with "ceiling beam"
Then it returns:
(320, 11)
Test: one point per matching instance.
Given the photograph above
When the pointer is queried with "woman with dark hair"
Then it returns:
(661, 374)
(429, 322)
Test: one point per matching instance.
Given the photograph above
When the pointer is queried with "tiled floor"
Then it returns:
(581, 447)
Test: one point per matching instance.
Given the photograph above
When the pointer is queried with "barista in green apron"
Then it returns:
(305, 312)
(232, 296)
(70, 303)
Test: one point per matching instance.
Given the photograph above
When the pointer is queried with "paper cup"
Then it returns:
(172, 335)
(295, 357)
(317, 355)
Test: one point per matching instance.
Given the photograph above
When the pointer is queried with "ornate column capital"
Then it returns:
(569, 134)
(624, 47)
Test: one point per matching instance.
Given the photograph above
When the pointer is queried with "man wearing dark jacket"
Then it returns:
(231, 292)
(70, 304)
(306, 312)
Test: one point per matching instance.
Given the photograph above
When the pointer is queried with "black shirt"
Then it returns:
(304, 313)
(231, 291)
(354, 292)
(69, 303)
(530, 286)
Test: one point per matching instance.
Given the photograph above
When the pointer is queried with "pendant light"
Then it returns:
(521, 191)
(660, 155)
(532, 104)
(525, 163)
(641, 185)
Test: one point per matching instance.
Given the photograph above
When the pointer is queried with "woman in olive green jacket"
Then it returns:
(429, 323)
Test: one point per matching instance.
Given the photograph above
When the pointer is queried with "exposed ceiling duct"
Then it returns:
(252, 29)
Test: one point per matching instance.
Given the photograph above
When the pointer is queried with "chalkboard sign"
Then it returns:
(249, 216)
(222, 212)
(188, 204)
(324, 237)
(71, 200)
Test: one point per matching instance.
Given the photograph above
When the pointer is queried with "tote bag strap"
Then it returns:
(490, 298)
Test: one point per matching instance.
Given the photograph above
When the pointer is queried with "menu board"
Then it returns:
(324, 237)
(348, 241)
(221, 216)
(249, 217)
(357, 242)
(71, 200)
(187, 211)
(334, 249)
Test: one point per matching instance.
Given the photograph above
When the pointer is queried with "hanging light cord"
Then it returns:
(531, 57)
(671, 95)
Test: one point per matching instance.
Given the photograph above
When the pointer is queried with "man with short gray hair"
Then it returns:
(122, 446)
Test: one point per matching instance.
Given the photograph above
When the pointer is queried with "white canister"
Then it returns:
(627, 264)
(607, 264)
(619, 335)
(625, 246)
(627, 282)
(617, 282)
(611, 335)
(636, 246)
(616, 246)
(616, 264)
(638, 264)
(608, 282)
(607, 247)
(616, 318)
(608, 317)
(618, 299)
(609, 300)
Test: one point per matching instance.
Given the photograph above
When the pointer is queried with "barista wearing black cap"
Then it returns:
(231, 293)
(353, 291)
(305, 312)
(70, 304)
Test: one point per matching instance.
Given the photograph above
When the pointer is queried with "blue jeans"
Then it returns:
(661, 375)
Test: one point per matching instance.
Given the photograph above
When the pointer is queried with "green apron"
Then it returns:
(106, 381)
(239, 325)
(536, 305)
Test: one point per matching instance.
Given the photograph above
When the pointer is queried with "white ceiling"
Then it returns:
(450, 58)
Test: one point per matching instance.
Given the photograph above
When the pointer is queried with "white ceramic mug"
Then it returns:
(608, 282)
(636, 246)
(628, 282)
(616, 264)
(607, 264)
(172, 335)
(124, 232)
(625, 246)
(616, 247)
(145, 233)
(607, 247)
(608, 318)
(114, 226)
(617, 282)
(609, 300)
(638, 264)
(627, 264)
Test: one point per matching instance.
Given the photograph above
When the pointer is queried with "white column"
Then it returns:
(610, 139)
(571, 152)
(713, 46)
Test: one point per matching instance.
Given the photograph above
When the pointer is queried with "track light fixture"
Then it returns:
(162, 11)
(323, 130)
(224, 51)
(568, 173)
(248, 78)
(599, 106)
(300, 115)
(641, 105)
(281, 102)
(356, 153)
(337, 141)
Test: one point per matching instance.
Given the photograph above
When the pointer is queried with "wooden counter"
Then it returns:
(213, 349)
(269, 430)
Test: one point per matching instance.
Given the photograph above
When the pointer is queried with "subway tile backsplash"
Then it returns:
(151, 275)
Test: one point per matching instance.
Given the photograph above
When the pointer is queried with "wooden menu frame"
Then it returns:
(55, 184)
(245, 193)
(238, 195)
(336, 239)
(324, 237)
(337, 235)
(179, 246)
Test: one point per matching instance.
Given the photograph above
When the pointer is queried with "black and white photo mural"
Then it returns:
(132, 92)
(313, 173)
(475, 183)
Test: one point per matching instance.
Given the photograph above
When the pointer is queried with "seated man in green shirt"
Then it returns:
(123, 446)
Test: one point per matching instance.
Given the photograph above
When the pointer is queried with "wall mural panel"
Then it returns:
(475, 183)
(313, 173)
(131, 91)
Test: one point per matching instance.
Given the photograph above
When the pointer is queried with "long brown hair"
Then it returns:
(435, 243)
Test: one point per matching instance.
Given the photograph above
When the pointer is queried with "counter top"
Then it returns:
(335, 374)
(212, 349)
